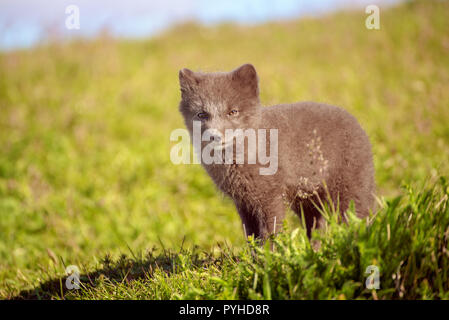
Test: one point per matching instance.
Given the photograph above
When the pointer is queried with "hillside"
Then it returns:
(86, 177)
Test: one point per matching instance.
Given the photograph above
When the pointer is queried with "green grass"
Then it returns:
(86, 179)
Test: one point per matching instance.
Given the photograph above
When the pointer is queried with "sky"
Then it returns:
(24, 23)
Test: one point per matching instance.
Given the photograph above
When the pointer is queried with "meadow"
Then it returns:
(86, 177)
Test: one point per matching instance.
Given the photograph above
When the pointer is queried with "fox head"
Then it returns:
(220, 101)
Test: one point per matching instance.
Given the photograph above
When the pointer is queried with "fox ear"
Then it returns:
(246, 79)
(187, 79)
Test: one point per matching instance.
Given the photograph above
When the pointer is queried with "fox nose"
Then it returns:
(214, 135)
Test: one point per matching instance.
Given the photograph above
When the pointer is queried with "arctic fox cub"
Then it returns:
(315, 150)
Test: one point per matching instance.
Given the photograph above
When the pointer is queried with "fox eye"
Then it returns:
(233, 112)
(202, 115)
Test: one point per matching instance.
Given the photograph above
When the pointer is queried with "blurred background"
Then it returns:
(86, 114)
(24, 23)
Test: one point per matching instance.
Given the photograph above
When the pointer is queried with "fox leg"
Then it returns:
(263, 219)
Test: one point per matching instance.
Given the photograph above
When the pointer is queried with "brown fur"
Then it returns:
(317, 143)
